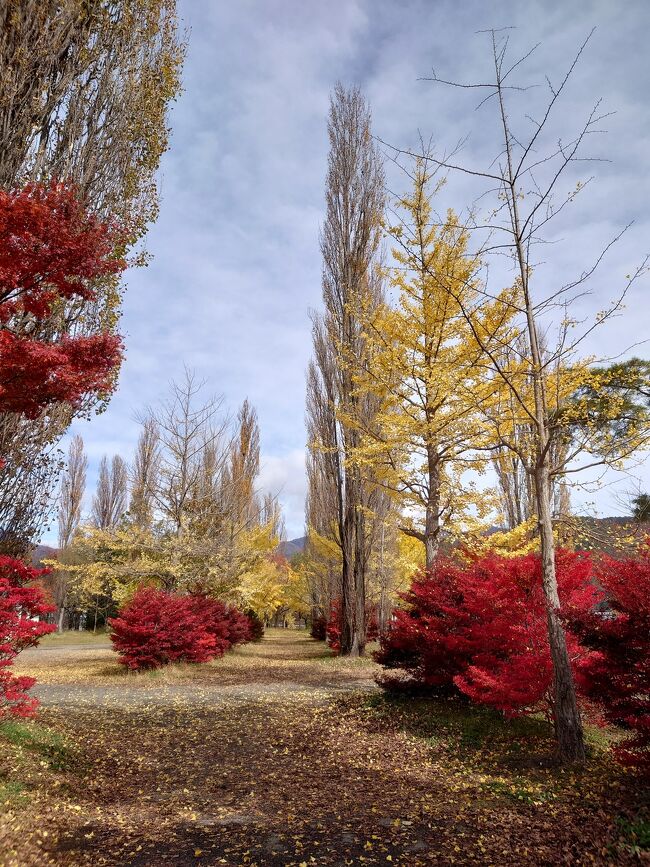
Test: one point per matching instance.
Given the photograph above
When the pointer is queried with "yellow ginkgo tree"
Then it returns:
(425, 369)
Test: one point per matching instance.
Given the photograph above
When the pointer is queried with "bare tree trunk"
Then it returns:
(348, 607)
(360, 571)
(73, 486)
(432, 518)
(568, 725)
(61, 617)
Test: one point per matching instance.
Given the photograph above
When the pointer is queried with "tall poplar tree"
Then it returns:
(350, 243)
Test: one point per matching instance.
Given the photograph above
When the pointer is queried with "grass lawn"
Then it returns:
(74, 637)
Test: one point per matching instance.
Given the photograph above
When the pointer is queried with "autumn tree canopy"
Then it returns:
(51, 251)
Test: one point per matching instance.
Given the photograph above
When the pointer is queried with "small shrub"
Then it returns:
(617, 674)
(238, 627)
(157, 628)
(256, 625)
(318, 629)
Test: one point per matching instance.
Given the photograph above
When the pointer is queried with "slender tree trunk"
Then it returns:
(432, 515)
(360, 568)
(348, 643)
(568, 725)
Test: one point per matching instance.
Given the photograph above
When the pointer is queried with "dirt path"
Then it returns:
(275, 755)
(287, 665)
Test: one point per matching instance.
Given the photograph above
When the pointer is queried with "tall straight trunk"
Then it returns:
(432, 512)
(353, 577)
(568, 725)
(348, 645)
(360, 569)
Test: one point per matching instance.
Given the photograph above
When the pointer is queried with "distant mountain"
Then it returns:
(292, 547)
(42, 552)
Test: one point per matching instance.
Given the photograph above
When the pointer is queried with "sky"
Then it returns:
(235, 266)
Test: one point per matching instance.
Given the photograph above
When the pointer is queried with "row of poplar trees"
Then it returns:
(409, 402)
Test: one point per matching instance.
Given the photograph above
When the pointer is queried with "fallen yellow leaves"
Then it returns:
(280, 763)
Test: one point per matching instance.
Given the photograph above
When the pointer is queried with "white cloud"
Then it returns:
(284, 477)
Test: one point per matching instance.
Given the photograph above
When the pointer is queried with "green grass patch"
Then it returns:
(328, 656)
(72, 637)
(635, 834)
(12, 795)
(472, 727)
(520, 794)
(37, 739)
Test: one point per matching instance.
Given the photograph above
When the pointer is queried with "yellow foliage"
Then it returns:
(425, 369)
(507, 543)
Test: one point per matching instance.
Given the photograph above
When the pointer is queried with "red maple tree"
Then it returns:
(52, 250)
(22, 602)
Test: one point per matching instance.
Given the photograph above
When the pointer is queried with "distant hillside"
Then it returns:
(42, 552)
(614, 535)
(292, 547)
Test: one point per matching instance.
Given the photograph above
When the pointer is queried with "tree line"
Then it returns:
(185, 514)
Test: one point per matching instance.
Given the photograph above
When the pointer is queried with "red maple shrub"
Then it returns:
(239, 627)
(318, 629)
(22, 603)
(157, 628)
(51, 250)
(333, 626)
(617, 674)
(480, 629)
(425, 637)
(212, 616)
(256, 625)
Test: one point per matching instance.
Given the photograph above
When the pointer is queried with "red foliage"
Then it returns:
(617, 675)
(319, 628)
(256, 626)
(333, 627)
(21, 600)
(157, 628)
(481, 629)
(51, 249)
(212, 616)
(239, 627)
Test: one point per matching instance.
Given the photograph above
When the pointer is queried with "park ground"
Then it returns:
(280, 754)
